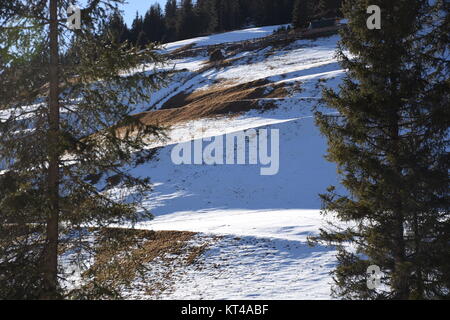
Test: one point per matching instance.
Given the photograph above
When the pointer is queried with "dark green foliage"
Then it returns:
(117, 27)
(390, 142)
(170, 21)
(187, 20)
(97, 91)
(22, 56)
(208, 16)
(137, 34)
(328, 9)
(154, 25)
(301, 15)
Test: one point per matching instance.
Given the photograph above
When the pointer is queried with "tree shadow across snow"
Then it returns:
(303, 175)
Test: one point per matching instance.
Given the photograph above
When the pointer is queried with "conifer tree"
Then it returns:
(116, 25)
(170, 18)
(213, 19)
(328, 8)
(207, 16)
(61, 149)
(137, 37)
(284, 14)
(301, 15)
(390, 142)
(186, 20)
(154, 24)
(233, 18)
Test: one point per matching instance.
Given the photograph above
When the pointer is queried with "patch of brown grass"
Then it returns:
(182, 49)
(216, 101)
(122, 255)
(195, 254)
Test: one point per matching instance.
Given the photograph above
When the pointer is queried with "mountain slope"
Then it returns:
(259, 224)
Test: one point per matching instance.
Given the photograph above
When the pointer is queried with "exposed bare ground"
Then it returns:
(219, 100)
(125, 259)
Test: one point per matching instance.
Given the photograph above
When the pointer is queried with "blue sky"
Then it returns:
(141, 6)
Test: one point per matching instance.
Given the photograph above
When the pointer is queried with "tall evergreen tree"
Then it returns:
(390, 142)
(207, 16)
(301, 14)
(154, 25)
(61, 151)
(170, 17)
(186, 20)
(22, 55)
(213, 20)
(285, 9)
(328, 8)
(117, 27)
(137, 31)
(232, 15)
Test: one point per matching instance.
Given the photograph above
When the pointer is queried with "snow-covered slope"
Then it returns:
(227, 37)
(264, 220)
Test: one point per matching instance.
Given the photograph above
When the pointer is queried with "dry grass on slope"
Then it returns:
(128, 261)
(219, 100)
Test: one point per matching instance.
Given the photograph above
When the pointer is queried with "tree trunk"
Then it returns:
(51, 251)
(420, 290)
(400, 283)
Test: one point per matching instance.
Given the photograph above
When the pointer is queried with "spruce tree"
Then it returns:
(186, 20)
(67, 140)
(170, 17)
(207, 16)
(154, 24)
(285, 11)
(328, 8)
(137, 34)
(116, 25)
(234, 18)
(301, 15)
(213, 19)
(390, 142)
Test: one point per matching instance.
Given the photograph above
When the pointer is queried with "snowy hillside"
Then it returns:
(263, 221)
(234, 36)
